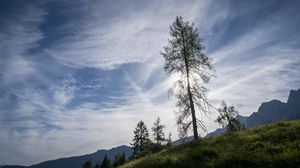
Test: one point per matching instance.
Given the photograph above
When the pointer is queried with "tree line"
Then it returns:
(142, 144)
(119, 160)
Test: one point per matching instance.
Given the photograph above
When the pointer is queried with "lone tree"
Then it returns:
(141, 140)
(158, 132)
(184, 56)
(228, 118)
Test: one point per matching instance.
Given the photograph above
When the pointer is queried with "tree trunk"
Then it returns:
(192, 107)
(194, 121)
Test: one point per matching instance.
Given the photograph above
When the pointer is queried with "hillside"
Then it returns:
(276, 145)
(269, 112)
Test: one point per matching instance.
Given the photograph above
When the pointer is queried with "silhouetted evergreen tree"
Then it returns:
(120, 159)
(184, 56)
(105, 162)
(228, 118)
(158, 132)
(169, 140)
(141, 141)
(87, 164)
(158, 136)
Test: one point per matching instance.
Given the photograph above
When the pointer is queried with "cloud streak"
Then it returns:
(20, 33)
(133, 34)
(71, 70)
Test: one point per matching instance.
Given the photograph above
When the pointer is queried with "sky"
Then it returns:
(76, 76)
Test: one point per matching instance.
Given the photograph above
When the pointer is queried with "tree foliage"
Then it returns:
(184, 56)
(120, 159)
(158, 132)
(169, 140)
(105, 162)
(87, 164)
(228, 118)
(141, 140)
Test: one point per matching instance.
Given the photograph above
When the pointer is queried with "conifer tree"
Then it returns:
(120, 159)
(123, 160)
(158, 132)
(141, 140)
(228, 118)
(105, 162)
(169, 140)
(184, 56)
(87, 164)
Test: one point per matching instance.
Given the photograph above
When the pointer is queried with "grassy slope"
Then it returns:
(276, 145)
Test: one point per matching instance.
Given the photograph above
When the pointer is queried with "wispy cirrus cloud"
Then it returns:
(45, 124)
(97, 63)
(258, 65)
(19, 33)
(106, 39)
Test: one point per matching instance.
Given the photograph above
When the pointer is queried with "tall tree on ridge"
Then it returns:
(184, 56)
(158, 132)
(141, 140)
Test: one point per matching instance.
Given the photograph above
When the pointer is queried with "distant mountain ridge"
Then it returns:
(13, 166)
(77, 161)
(276, 110)
(270, 112)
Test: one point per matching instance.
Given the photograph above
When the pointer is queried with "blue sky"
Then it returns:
(76, 76)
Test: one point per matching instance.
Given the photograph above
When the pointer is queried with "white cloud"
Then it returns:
(249, 82)
(132, 35)
(79, 130)
(20, 33)
(253, 68)
(64, 93)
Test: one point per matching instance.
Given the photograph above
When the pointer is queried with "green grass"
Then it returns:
(276, 145)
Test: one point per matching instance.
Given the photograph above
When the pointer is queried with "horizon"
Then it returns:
(76, 77)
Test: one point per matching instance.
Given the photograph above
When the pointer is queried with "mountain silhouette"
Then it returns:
(270, 112)
(13, 166)
(275, 110)
(77, 161)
